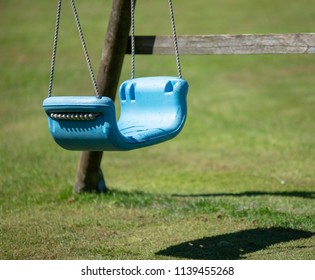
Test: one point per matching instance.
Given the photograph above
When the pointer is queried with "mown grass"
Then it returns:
(135, 225)
(237, 183)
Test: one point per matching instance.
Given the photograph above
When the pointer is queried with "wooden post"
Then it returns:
(89, 176)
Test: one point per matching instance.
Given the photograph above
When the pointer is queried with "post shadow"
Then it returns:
(233, 246)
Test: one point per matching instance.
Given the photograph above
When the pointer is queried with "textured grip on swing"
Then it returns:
(74, 116)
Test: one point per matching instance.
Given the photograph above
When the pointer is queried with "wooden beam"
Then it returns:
(300, 43)
(89, 176)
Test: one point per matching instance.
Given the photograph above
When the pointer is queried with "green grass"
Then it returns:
(237, 183)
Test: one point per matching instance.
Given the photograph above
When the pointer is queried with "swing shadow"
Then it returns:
(234, 246)
(301, 194)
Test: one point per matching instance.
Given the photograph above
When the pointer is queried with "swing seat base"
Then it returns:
(153, 110)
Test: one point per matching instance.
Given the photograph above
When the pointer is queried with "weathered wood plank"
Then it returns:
(299, 43)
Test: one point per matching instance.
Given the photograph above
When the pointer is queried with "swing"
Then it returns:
(153, 109)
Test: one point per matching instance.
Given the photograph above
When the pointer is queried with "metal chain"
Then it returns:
(179, 71)
(133, 51)
(85, 48)
(53, 58)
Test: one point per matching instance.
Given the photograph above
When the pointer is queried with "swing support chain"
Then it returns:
(56, 36)
(179, 71)
(132, 33)
(53, 58)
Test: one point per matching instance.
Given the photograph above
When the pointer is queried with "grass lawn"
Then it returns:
(237, 183)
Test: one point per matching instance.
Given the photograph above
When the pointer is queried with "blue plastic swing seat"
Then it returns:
(153, 110)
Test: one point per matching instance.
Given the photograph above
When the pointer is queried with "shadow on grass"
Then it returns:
(302, 194)
(233, 246)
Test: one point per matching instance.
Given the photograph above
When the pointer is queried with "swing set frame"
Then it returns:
(117, 44)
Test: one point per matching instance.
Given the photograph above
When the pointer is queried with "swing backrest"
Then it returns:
(152, 107)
